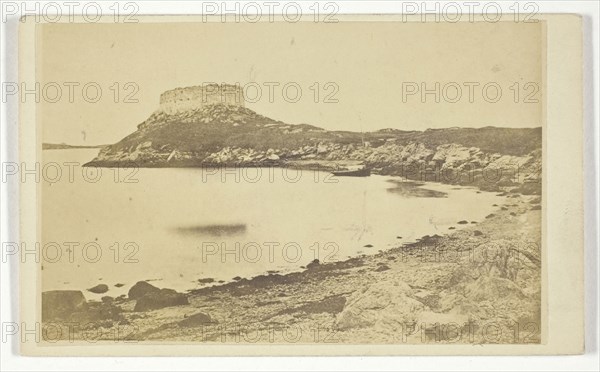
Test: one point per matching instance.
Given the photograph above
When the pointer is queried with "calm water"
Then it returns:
(176, 226)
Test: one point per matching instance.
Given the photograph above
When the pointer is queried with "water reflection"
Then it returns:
(213, 230)
(414, 189)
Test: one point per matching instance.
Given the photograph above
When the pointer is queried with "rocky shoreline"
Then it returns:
(479, 284)
(488, 172)
(230, 136)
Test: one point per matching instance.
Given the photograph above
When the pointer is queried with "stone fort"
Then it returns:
(196, 97)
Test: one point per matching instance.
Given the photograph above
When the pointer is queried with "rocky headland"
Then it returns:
(212, 133)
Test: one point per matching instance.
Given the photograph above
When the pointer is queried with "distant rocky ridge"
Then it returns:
(218, 134)
(64, 146)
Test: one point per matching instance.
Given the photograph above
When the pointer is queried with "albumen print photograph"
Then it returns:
(358, 182)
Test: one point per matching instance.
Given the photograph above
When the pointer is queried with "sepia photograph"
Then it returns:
(288, 191)
(322, 185)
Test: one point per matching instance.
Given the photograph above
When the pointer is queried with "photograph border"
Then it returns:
(562, 224)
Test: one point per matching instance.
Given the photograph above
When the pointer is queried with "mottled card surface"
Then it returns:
(198, 186)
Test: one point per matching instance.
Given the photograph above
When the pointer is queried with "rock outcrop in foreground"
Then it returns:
(218, 135)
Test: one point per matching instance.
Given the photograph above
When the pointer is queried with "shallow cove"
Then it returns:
(180, 225)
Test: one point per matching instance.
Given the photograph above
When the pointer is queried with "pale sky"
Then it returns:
(367, 61)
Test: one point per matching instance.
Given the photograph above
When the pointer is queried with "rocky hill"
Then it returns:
(229, 135)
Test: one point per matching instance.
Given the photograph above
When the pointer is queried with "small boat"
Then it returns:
(363, 172)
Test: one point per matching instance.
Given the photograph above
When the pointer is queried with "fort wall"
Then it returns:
(197, 97)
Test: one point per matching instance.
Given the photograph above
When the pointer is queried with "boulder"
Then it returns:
(498, 258)
(490, 288)
(382, 267)
(313, 264)
(95, 312)
(100, 288)
(107, 300)
(159, 299)
(61, 304)
(385, 306)
(140, 289)
(490, 299)
(121, 298)
(196, 320)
